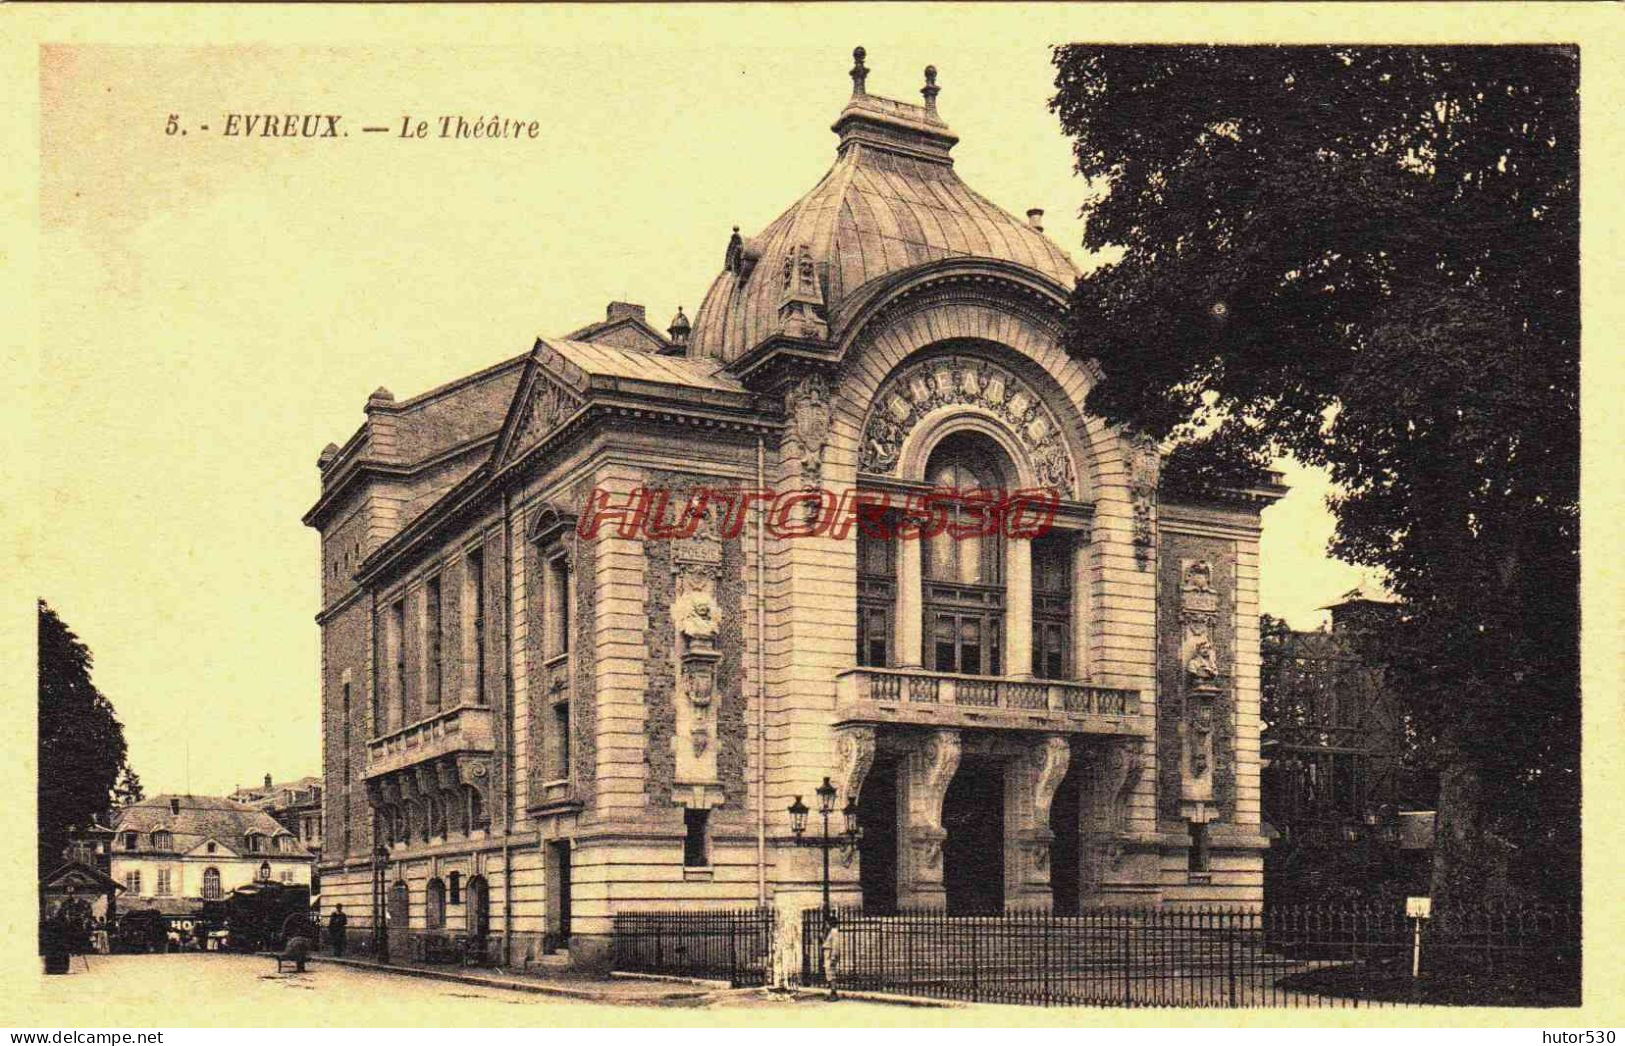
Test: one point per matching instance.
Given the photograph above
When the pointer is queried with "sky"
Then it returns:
(216, 309)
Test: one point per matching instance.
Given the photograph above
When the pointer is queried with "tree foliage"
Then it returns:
(1367, 258)
(81, 741)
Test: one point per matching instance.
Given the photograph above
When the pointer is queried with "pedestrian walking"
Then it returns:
(335, 930)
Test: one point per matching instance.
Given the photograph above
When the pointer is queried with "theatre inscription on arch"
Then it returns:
(917, 390)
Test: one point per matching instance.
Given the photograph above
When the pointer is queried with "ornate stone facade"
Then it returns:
(1197, 655)
(1029, 726)
(695, 723)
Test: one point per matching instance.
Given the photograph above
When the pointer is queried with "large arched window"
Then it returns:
(211, 884)
(964, 569)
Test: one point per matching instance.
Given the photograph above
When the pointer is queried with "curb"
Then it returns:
(888, 999)
(580, 994)
(609, 999)
(703, 982)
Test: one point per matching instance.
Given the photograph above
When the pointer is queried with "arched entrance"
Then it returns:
(400, 906)
(1065, 857)
(479, 907)
(973, 853)
(434, 905)
(877, 849)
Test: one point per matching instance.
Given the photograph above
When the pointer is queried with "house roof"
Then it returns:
(595, 365)
(79, 875)
(891, 202)
(199, 819)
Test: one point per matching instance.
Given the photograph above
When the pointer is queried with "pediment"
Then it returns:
(551, 391)
(220, 849)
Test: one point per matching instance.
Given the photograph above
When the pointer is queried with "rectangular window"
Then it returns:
(376, 726)
(561, 740)
(557, 606)
(129, 840)
(1052, 606)
(967, 643)
(874, 636)
(432, 626)
(1196, 857)
(476, 598)
(397, 628)
(163, 882)
(132, 883)
(877, 588)
(696, 845)
(287, 877)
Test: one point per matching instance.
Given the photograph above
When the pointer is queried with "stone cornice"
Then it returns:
(342, 485)
(467, 498)
(1000, 284)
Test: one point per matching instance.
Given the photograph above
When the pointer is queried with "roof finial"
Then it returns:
(930, 89)
(859, 73)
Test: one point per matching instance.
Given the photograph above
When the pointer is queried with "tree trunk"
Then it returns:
(1469, 860)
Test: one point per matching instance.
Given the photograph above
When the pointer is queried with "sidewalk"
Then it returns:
(615, 991)
(622, 990)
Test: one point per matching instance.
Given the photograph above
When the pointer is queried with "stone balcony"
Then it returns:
(916, 697)
(454, 731)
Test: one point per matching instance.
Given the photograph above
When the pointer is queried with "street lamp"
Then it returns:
(380, 936)
(826, 805)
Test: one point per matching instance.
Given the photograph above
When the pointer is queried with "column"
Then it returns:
(909, 607)
(1081, 661)
(1018, 611)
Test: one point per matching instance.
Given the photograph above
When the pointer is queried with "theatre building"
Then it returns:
(528, 729)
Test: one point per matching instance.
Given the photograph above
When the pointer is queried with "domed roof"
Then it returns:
(891, 202)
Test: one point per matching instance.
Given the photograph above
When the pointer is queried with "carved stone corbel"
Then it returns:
(855, 756)
(855, 753)
(935, 765)
(1052, 756)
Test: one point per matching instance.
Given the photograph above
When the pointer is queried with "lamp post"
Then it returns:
(380, 935)
(826, 806)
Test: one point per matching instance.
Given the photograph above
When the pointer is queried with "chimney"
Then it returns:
(174, 806)
(624, 310)
(267, 782)
(1035, 218)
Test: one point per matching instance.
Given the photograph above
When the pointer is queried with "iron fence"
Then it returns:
(735, 945)
(1300, 956)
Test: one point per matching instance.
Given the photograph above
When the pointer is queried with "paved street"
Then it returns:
(136, 991)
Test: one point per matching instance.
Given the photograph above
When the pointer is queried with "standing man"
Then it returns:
(833, 954)
(335, 930)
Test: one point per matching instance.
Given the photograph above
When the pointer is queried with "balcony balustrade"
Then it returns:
(918, 697)
(463, 729)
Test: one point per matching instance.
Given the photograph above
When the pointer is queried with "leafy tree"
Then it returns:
(1367, 258)
(81, 741)
(129, 788)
